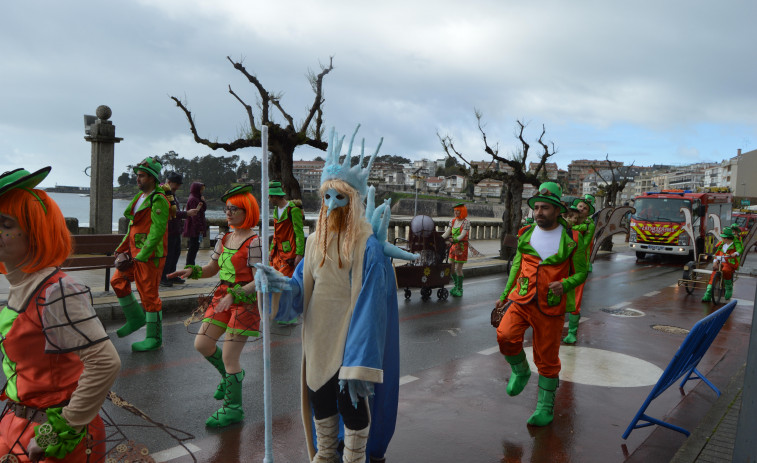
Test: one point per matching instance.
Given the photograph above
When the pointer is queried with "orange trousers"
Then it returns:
(147, 277)
(727, 270)
(579, 295)
(16, 432)
(547, 336)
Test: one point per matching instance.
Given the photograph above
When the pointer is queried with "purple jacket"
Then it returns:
(195, 226)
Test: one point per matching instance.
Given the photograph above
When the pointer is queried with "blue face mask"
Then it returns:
(334, 199)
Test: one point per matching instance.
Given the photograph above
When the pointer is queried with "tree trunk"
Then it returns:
(511, 218)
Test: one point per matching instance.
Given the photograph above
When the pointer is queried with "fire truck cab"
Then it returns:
(657, 225)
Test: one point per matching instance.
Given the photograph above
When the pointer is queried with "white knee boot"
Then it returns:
(327, 435)
(355, 443)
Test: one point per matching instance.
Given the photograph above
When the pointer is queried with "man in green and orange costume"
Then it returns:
(726, 261)
(549, 264)
(457, 235)
(584, 209)
(146, 243)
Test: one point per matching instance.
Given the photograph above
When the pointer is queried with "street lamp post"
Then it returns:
(743, 190)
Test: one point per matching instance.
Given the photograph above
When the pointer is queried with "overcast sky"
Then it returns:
(643, 81)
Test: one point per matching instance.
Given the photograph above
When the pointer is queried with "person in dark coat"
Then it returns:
(195, 226)
(175, 227)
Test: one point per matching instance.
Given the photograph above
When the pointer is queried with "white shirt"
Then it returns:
(546, 242)
(281, 210)
(139, 203)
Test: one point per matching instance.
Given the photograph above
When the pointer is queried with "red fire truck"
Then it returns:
(657, 226)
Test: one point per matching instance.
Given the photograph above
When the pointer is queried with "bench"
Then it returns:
(93, 252)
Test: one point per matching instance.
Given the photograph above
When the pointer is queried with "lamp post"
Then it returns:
(744, 189)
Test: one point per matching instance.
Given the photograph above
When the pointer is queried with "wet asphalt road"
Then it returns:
(175, 384)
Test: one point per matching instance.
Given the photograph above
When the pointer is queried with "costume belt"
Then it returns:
(232, 283)
(27, 412)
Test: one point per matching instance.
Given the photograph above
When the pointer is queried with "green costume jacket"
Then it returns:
(146, 236)
(294, 212)
(530, 275)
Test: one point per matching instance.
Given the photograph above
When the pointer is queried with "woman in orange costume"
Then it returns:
(457, 234)
(233, 309)
(57, 359)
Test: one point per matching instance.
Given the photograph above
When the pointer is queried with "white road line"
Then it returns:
(407, 379)
(620, 304)
(653, 293)
(673, 286)
(174, 452)
(489, 351)
(580, 320)
(745, 302)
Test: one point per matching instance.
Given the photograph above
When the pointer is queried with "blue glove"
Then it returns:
(270, 280)
(357, 389)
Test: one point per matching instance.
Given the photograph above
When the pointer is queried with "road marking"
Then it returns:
(580, 320)
(407, 379)
(174, 452)
(673, 286)
(653, 293)
(745, 302)
(620, 304)
(453, 331)
(489, 351)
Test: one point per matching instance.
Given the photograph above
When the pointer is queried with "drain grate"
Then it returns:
(670, 329)
(623, 312)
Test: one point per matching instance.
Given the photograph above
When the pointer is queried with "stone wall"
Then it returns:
(434, 208)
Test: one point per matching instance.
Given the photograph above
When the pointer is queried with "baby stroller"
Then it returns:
(431, 271)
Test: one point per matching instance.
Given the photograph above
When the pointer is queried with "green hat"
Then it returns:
(549, 192)
(236, 190)
(21, 178)
(727, 233)
(458, 205)
(150, 166)
(274, 189)
(585, 200)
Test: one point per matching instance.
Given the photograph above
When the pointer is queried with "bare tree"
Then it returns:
(514, 179)
(282, 138)
(618, 178)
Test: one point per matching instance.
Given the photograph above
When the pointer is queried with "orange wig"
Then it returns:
(49, 239)
(463, 211)
(247, 202)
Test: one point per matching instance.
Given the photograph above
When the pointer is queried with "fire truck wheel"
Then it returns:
(640, 255)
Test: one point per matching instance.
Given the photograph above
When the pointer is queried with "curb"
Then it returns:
(693, 446)
(109, 311)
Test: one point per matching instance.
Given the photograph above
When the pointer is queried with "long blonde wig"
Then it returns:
(353, 222)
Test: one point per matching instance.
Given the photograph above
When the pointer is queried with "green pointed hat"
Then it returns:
(274, 189)
(236, 190)
(150, 166)
(549, 192)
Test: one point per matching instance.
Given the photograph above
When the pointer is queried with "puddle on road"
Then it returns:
(623, 312)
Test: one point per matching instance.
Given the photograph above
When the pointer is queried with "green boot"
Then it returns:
(453, 290)
(546, 403)
(216, 359)
(520, 375)
(728, 289)
(231, 412)
(135, 315)
(707, 294)
(154, 337)
(572, 328)
(460, 279)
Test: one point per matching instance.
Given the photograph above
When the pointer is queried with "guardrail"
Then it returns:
(481, 228)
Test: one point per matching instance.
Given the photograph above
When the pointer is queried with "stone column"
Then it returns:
(102, 135)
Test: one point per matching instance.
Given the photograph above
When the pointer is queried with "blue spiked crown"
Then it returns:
(356, 176)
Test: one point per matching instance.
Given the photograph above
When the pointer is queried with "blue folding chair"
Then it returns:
(684, 362)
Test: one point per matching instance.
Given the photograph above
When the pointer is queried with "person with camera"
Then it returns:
(549, 264)
(141, 257)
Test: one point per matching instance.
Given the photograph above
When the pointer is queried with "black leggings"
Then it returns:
(329, 400)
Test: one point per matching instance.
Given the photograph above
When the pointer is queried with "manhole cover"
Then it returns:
(622, 312)
(670, 329)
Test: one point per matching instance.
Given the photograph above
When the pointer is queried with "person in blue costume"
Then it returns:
(346, 291)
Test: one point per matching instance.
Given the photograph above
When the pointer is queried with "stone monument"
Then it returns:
(102, 135)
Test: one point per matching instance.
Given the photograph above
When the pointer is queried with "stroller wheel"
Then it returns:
(442, 294)
(425, 293)
(408, 293)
